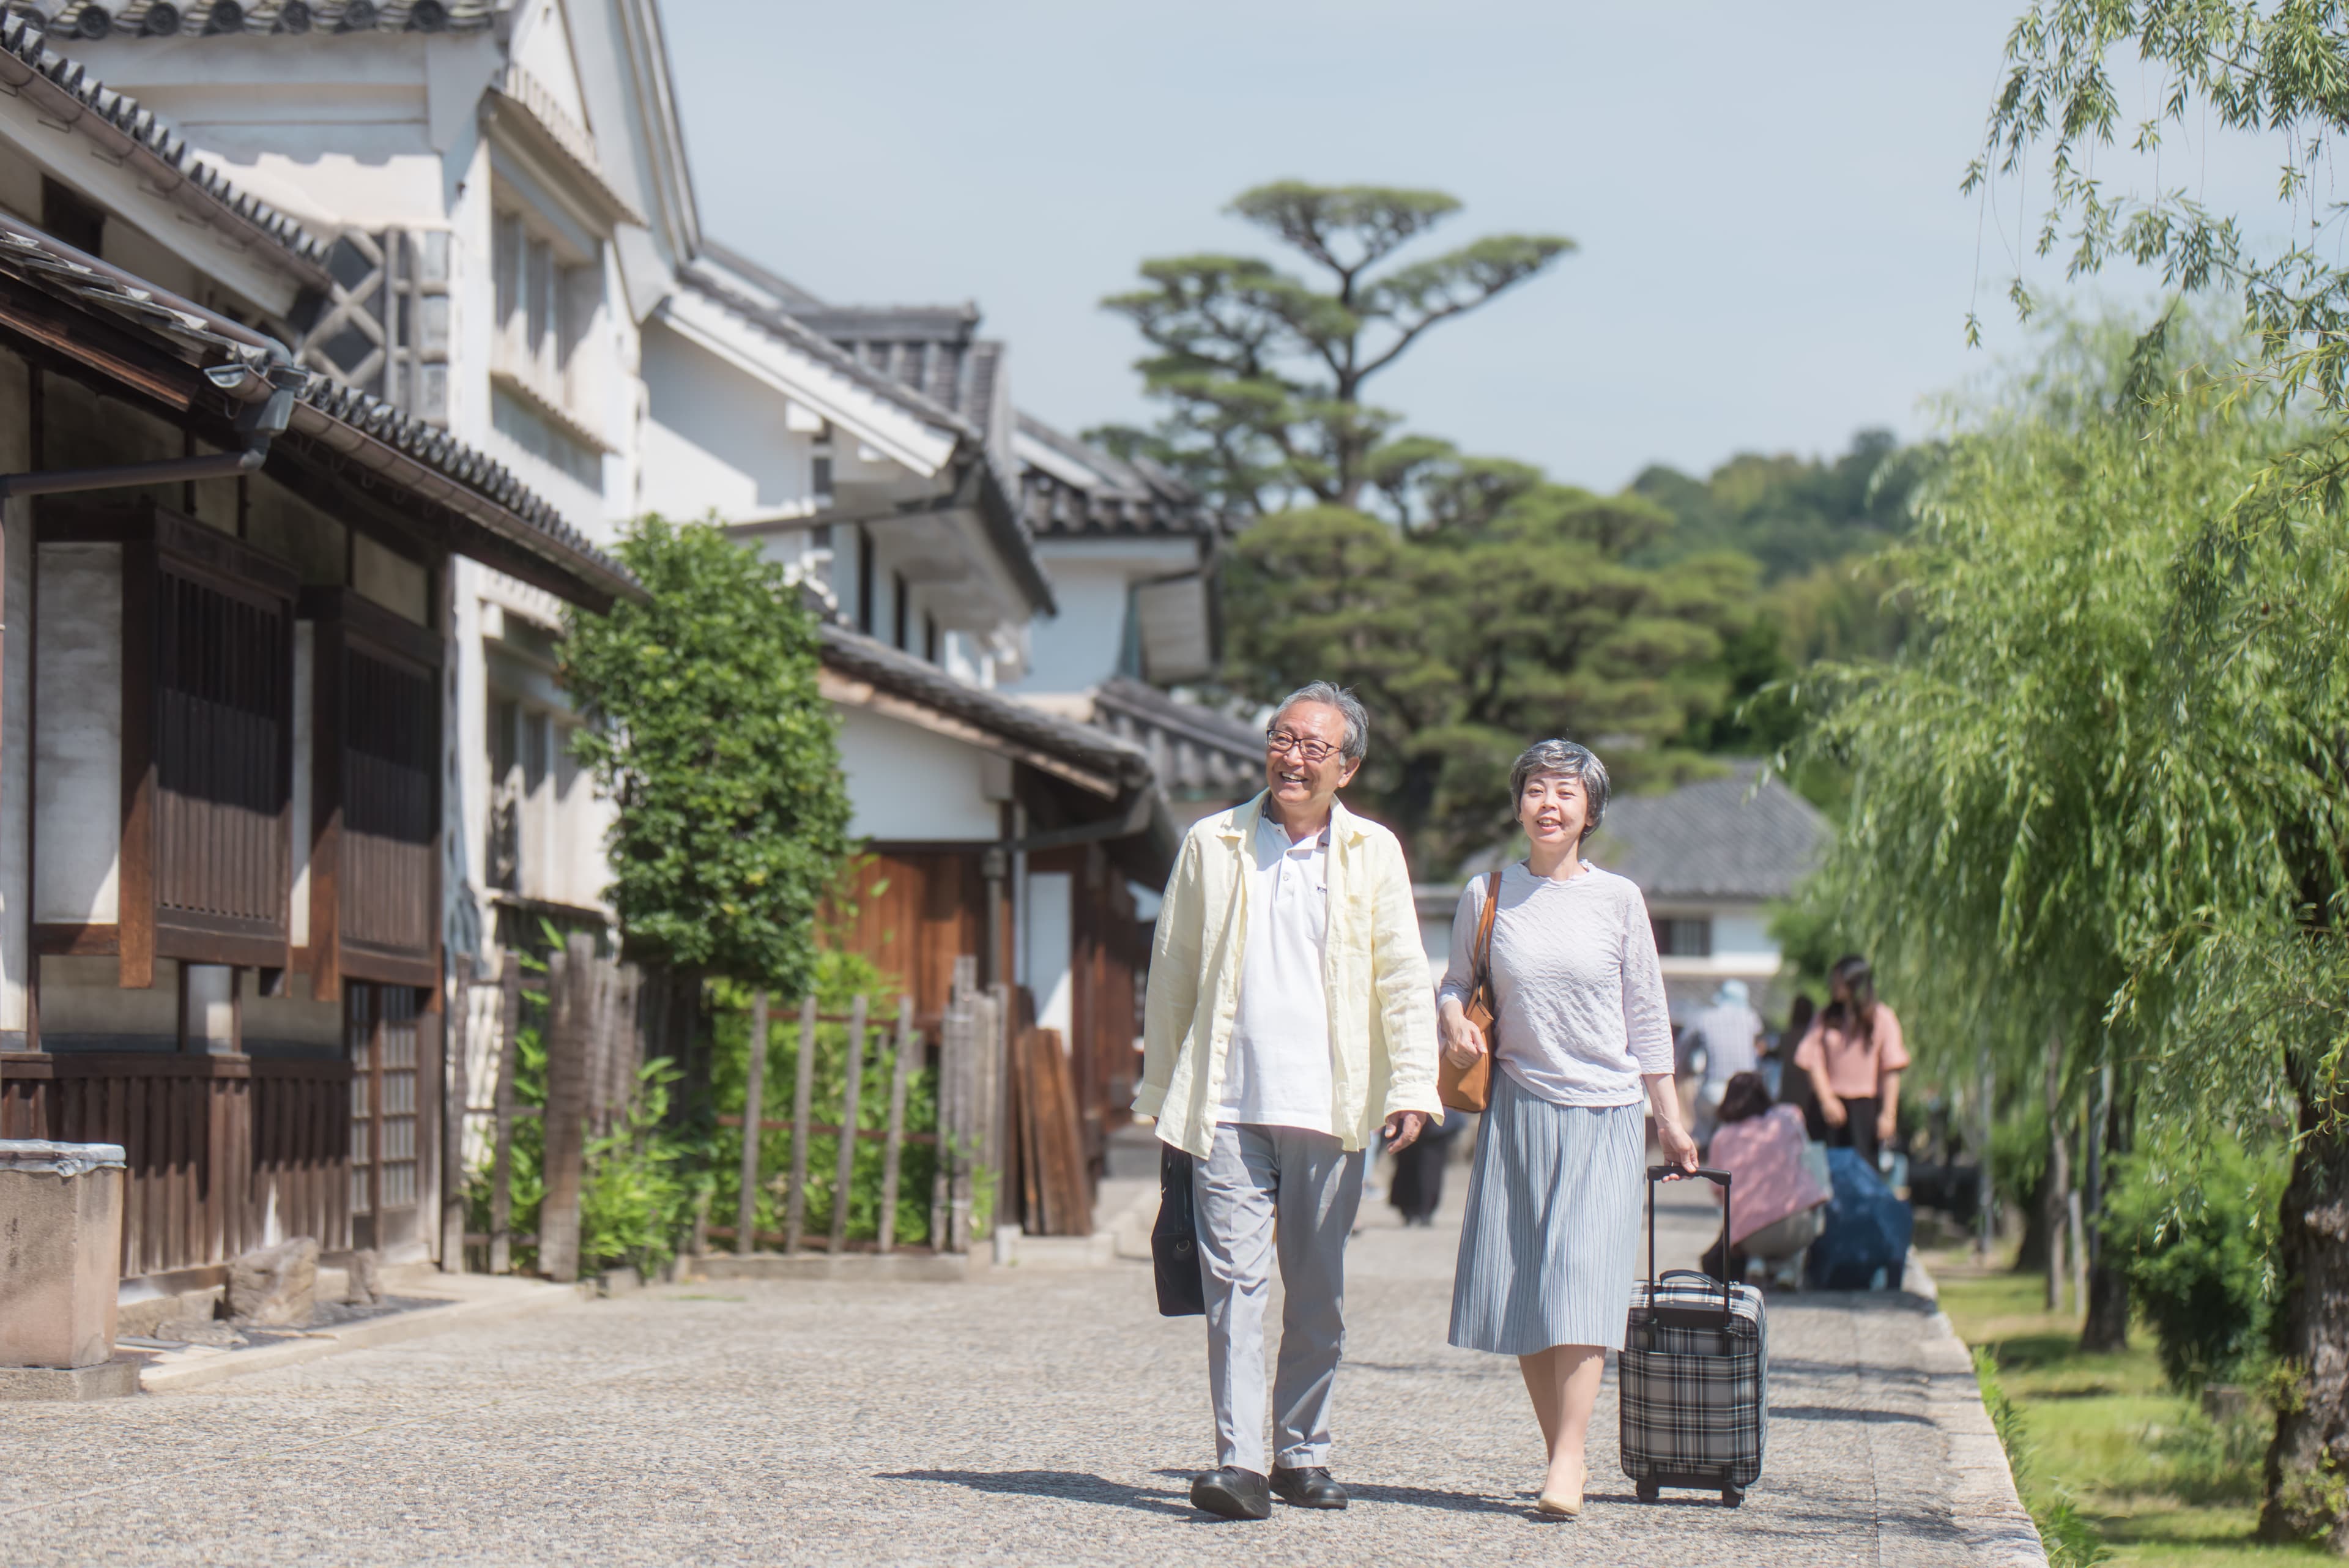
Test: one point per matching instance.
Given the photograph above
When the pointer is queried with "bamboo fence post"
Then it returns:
(455, 1036)
(892, 1152)
(803, 1091)
(845, 1167)
(571, 1002)
(754, 1115)
(501, 1161)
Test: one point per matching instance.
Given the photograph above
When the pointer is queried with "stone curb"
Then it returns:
(1983, 1502)
(172, 1374)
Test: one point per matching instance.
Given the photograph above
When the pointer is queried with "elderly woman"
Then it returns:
(1584, 1042)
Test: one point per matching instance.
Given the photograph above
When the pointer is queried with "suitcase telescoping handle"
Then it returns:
(1720, 1178)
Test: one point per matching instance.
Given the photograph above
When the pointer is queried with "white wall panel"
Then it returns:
(906, 783)
(78, 742)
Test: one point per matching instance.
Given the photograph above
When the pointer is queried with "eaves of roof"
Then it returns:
(65, 90)
(1124, 499)
(1739, 838)
(518, 105)
(97, 19)
(1192, 720)
(358, 427)
(789, 330)
(992, 494)
(1085, 756)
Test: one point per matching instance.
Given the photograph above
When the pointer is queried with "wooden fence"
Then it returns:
(595, 1048)
(969, 1086)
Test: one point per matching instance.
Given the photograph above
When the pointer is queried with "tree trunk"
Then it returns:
(2107, 1328)
(2311, 1452)
(2058, 1185)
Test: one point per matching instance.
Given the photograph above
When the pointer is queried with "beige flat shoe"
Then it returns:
(1559, 1507)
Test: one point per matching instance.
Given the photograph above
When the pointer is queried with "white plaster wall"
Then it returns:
(83, 1003)
(390, 579)
(1091, 578)
(906, 783)
(77, 739)
(714, 439)
(1742, 932)
(305, 645)
(1045, 950)
(293, 1019)
(16, 697)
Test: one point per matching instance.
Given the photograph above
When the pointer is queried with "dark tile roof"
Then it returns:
(1193, 749)
(96, 20)
(1122, 498)
(338, 416)
(1714, 838)
(992, 493)
(28, 64)
(903, 675)
(933, 348)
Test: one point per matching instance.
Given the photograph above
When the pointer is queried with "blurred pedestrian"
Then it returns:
(1777, 1198)
(1853, 1055)
(1788, 1084)
(1416, 1189)
(1731, 1032)
(1582, 1038)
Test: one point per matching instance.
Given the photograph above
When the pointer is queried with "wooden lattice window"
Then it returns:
(383, 1026)
(204, 736)
(375, 857)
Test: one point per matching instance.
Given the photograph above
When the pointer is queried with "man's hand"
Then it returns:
(1403, 1128)
(1831, 1108)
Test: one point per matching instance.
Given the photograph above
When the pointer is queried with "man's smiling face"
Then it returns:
(1299, 784)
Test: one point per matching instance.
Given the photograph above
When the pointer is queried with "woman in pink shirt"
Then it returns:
(1854, 1056)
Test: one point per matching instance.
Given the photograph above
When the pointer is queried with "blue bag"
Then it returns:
(1867, 1229)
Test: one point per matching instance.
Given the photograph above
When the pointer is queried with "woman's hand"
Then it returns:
(1888, 1121)
(1678, 1147)
(1832, 1108)
(1462, 1041)
(1664, 1109)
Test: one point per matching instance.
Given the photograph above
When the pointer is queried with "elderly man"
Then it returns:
(1289, 1016)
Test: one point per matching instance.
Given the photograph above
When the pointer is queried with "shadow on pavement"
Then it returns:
(1842, 1413)
(1073, 1486)
(1426, 1497)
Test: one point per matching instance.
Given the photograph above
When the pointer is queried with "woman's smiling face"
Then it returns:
(1552, 809)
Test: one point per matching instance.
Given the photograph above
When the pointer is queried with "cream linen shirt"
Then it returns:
(1277, 1072)
(1375, 984)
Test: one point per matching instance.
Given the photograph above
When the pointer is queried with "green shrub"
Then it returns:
(636, 1201)
(2194, 1215)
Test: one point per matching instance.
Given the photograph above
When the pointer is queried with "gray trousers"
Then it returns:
(1263, 1188)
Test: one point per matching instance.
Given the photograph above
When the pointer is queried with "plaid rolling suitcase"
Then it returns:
(1693, 1379)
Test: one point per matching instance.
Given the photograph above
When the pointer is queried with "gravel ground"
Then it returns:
(1027, 1417)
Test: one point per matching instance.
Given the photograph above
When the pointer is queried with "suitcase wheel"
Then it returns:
(1730, 1496)
(1649, 1492)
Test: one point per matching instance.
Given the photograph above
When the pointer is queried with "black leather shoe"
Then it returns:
(1232, 1493)
(1310, 1487)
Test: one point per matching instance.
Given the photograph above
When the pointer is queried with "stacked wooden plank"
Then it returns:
(1055, 1185)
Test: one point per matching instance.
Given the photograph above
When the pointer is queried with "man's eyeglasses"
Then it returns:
(1280, 741)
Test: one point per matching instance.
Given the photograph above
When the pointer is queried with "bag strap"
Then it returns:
(1484, 932)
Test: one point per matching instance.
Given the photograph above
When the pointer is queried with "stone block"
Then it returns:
(111, 1379)
(274, 1287)
(365, 1286)
(60, 1253)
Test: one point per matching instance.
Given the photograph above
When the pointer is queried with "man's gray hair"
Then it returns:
(1358, 721)
(1576, 762)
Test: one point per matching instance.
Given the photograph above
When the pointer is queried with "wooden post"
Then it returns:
(893, 1151)
(845, 1169)
(502, 1166)
(803, 1091)
(754, 1115)
(453, 1097)
(571, 996)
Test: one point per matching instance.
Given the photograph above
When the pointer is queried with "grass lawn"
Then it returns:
(2160, 1482)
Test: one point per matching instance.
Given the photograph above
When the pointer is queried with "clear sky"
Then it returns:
(1773, 249)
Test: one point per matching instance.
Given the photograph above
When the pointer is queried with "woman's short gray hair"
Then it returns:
(1358, 721)
(1576, 762)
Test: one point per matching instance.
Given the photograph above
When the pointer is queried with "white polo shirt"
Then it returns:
(1278, 1071)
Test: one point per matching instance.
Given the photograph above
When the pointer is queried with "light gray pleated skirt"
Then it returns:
(1552, 1225)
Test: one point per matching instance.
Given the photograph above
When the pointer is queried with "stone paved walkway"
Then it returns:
(1027, 1417)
